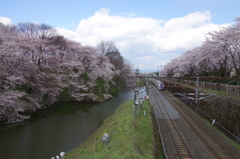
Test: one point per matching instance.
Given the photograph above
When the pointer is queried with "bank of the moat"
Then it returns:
(131, 137)
(23, 109)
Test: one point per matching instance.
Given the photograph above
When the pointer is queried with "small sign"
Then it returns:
(136, 102)
(213, 121)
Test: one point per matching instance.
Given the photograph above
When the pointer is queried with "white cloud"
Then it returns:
(5, 21)
(145, 42)
(128, 14)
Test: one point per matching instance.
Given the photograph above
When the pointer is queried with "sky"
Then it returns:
(148, 33)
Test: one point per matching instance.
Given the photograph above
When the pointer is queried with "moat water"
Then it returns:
(59, 128)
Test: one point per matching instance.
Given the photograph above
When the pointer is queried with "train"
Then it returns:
(158, 83)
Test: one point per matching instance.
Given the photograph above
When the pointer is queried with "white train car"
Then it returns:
(158, 83)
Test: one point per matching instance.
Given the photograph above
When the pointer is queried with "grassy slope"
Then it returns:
(130, 137)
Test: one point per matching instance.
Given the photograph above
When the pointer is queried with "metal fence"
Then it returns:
(214, 83)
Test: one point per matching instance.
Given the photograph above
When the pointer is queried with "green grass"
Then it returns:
(221, 93)
(65, 96)
(112, 90)
(131, 137)
(99, 89)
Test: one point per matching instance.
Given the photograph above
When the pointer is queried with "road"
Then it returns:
(184, 135)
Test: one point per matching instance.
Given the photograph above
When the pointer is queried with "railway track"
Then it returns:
(212, 143)
(180, 147)
(178, 140)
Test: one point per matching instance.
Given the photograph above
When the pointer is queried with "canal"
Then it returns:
(59, 128)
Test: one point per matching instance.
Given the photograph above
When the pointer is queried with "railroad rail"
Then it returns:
(211, 143)
(179, 142)
(180, 145)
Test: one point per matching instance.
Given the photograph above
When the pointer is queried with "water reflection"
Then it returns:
(61, 128)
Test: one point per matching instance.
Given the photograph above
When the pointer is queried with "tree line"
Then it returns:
(37, 65)
(218, 55)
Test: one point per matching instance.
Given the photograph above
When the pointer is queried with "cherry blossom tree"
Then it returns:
(218, 55)
(37, 65)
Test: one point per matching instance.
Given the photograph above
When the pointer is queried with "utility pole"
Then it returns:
(136, 94)
(136, 101)
(197, 90)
